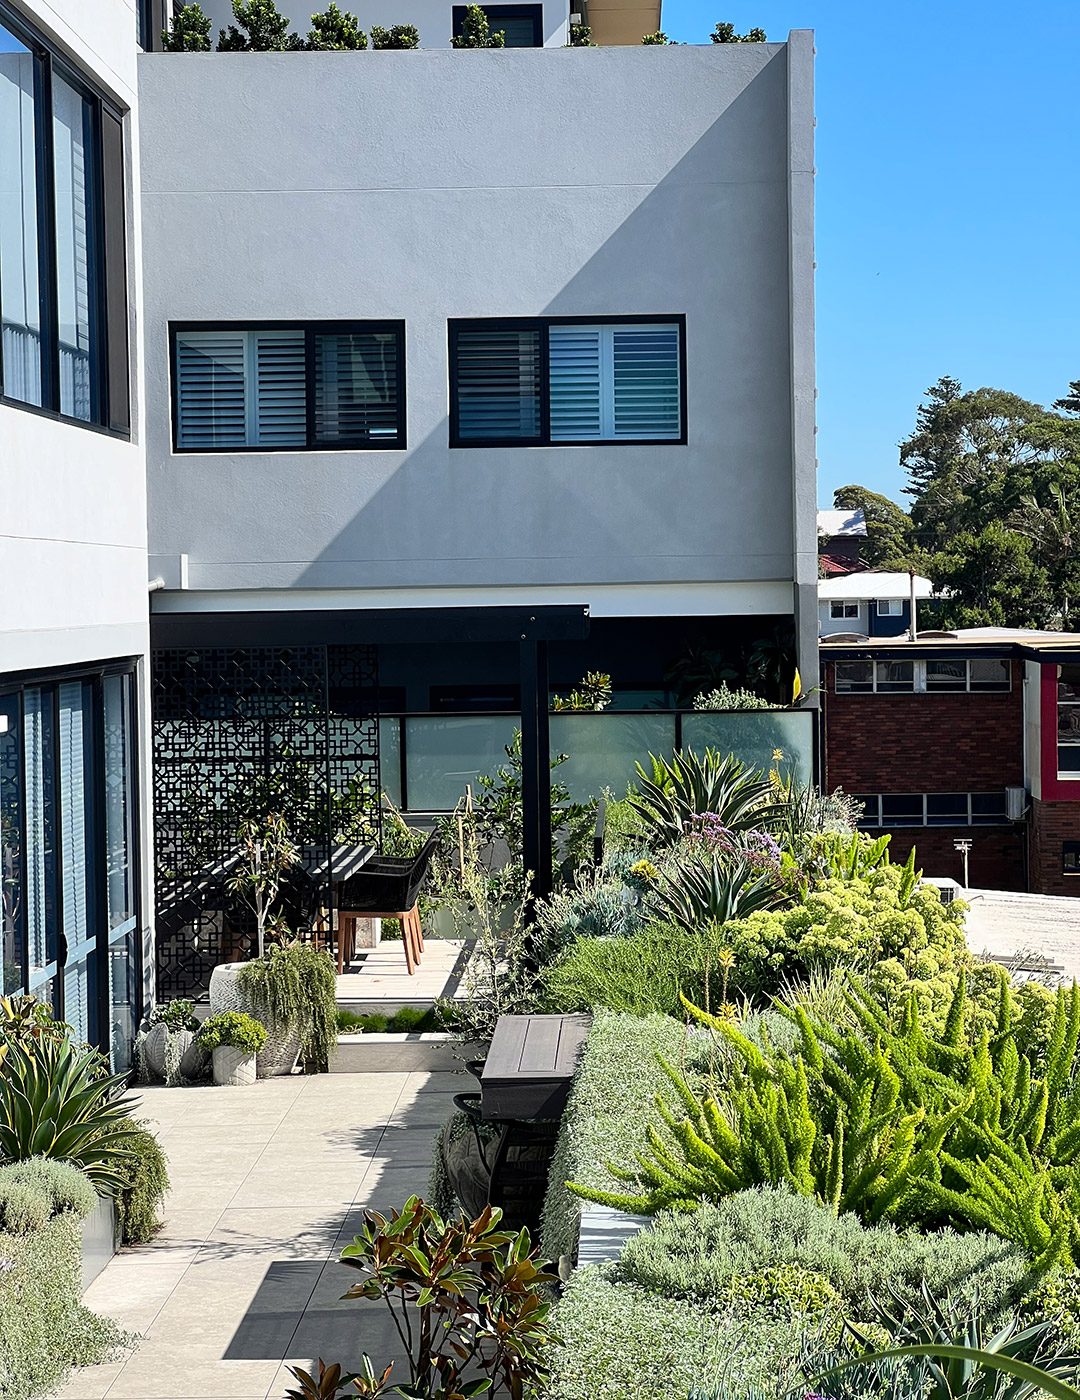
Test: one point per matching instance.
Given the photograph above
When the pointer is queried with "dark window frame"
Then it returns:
(495, 13)
(542, 324)
(49, 680)
(874, 817)
(110, 394)
(311, 329)
(1070, 848)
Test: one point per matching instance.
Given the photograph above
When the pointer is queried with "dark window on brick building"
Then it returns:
(1070, 857)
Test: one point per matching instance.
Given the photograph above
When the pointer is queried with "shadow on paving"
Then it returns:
(297, 1313)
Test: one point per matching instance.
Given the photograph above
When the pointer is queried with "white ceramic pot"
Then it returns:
(232, 1066)
(282, 1049)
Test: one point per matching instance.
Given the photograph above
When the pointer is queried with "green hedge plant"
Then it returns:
(140, 1198)
(398, 36)
(235, 1029)
(883, 1120)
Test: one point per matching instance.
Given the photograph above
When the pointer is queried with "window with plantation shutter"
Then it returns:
(275, 388)
(211, 401)
(562, 381)
(498, 384)
(574, 366)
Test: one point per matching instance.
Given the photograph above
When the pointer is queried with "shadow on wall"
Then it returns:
(610, 534)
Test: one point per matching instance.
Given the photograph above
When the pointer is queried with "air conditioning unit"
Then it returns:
(1016, 803)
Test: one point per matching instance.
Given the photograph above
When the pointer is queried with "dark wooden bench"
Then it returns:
(530, 1066)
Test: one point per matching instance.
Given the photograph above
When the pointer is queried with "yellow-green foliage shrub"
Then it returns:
(881, 922)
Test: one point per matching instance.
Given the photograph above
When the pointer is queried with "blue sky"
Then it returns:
(948, 206)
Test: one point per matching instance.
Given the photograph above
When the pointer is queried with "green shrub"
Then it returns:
(139, 1200)
(883, 1120)
(769, 1244)
(44, 1329)
(34, 1191)
(296, 985)
(188, 32)
(724, 697)
(610, 1103)
(398, 36)
(642, 975)
(59, 1101)
(335, 29)
(886, 922)
(625, 1343)
(407, 1019)
(597, 907)
(235, 1029)
(476, 32)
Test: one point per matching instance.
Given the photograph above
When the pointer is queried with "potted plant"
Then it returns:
(234, 1039)
(168, 1051)
(267, 853)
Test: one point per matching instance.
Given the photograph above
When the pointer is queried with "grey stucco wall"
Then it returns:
(431, 185)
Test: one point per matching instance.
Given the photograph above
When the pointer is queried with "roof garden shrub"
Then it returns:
(610, 1103)
(882, 1119)
(668, 798)
(398, 36)
(886, 925)
(188, 31)
(335, 30)
(44, 1328)
(770, 1244)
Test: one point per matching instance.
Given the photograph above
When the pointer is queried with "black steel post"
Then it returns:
(535, 770)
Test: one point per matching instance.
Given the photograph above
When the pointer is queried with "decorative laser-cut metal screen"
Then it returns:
(245, 732)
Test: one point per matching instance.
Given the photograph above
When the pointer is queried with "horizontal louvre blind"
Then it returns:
(210, 398)
(498, 384)
(356, 387)
(646, 381)
(280, 397)
(576, 402)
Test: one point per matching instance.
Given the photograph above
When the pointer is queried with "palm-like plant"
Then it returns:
(56, 1102)
(668, 799)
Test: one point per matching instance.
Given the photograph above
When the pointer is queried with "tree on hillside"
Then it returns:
(993, 474)
(888, 543)
(992, 580)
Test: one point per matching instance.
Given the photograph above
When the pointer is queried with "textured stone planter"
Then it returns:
(282, 1049)
(154, 1047)
(232, 1066)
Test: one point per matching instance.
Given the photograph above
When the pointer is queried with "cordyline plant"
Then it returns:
(466, 1300)
(885, 1121)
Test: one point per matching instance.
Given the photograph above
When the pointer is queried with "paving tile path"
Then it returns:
(269, 1183)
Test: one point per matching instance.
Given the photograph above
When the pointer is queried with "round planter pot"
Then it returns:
(232, 1066)
(282, 1049)
(156, 1045)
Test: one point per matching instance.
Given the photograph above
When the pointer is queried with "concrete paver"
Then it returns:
(269, 1183)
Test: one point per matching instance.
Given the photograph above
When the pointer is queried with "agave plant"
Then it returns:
(55, 1101)
(715, 889)
(667, 801)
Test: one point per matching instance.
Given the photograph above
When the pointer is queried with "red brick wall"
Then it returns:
(928, 742)
(1051, 823)
(924, 743)
(996, 859)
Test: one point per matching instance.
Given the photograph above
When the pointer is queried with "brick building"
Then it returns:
(966, 736)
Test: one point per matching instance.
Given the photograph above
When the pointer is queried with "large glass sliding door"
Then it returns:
(68, 907)
(124, 966)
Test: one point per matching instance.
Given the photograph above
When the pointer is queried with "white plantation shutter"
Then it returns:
(614, 381)
(574, 357)
(241, 389)
(646, 381)
(211, 403)
(279, 373)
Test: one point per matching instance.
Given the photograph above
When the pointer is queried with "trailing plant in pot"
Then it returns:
(234, 1039)
(167, 1050)
(294, 986)
(275, 995)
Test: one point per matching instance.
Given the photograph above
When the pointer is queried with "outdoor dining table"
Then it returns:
(340, 864)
